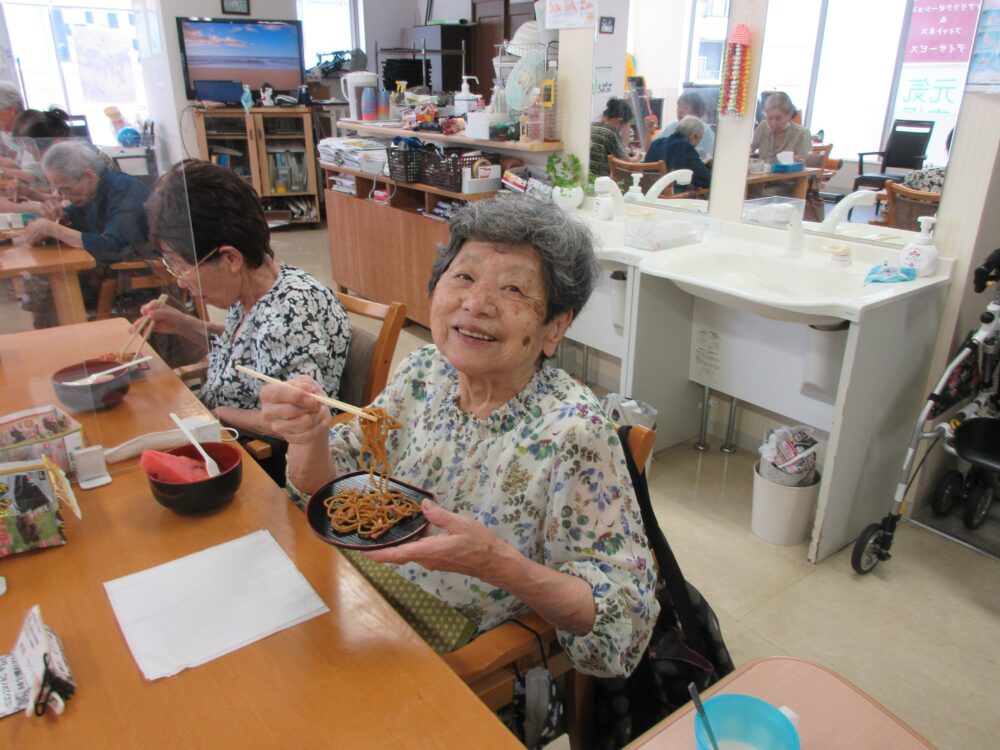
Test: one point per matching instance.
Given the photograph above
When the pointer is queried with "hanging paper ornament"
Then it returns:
(735, 73)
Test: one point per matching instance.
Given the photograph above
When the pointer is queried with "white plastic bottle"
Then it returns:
(634, 193)
(536, 119)
(920, 253)
(604, 202)
(465, 100)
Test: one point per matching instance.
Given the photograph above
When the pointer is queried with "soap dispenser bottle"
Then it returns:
(920, 254)
(634, 193)
(465, 100)
(604, 202)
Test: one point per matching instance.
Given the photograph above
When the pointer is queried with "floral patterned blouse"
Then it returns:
(546, 473)
(298, 328)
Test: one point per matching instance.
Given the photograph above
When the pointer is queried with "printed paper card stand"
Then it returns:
(35, 677)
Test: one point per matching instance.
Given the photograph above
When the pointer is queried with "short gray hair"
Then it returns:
(565, 245)
(689, 126)
(780, 100)
(693, 102)
(73, 158)
(10, 96)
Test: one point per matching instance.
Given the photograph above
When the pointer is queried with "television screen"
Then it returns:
(252, 51)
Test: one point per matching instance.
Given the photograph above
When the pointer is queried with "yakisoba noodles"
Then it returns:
(373, 511)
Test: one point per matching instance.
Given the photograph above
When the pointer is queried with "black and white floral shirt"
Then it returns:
(298, 328)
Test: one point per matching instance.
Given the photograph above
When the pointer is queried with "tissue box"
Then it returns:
(487, 178)
(43, 431)
(653, 229)
(479, 124)
(795, 166)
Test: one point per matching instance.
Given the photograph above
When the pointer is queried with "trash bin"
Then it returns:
(782, 515)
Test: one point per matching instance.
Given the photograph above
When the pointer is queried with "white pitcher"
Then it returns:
(352, 85)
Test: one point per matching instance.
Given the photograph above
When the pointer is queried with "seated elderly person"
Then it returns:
(689, 103)
(679, 151)
(774, 134)
(611, 134)
(281, 321)
(534, 503)
(105, 215)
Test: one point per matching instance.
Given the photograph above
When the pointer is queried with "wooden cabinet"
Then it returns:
(272, 149)
(494, 21)
(384, 251)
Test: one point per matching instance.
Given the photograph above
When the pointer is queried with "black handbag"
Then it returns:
(686, 646)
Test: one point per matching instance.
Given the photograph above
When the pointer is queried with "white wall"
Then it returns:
(609, 52)
(444, 10)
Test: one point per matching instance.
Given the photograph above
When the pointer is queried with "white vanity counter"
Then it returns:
(803, 337)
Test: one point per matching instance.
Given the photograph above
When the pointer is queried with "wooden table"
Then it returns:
(60, 264)
(801, 179)
(833, 713)
(356, 677)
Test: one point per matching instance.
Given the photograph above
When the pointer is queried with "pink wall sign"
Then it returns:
(941, 31)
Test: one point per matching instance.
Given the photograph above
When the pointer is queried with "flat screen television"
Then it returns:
(248, 50)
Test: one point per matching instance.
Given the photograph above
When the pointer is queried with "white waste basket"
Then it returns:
(782, 515)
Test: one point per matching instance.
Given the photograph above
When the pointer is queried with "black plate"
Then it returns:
(319, 521)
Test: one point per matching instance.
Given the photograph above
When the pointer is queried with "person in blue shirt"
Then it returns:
(679, 151)
(689, 103)
(106, 215)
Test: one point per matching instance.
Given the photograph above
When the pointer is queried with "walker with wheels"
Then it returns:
(973, 434)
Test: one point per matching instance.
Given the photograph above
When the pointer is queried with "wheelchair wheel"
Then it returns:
(947, 493)
(865, 555)
(977, 507)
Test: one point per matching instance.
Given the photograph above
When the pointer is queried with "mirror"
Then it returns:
(848, 83)
(674, 48)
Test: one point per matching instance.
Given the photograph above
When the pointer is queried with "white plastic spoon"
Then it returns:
(210, 466)
(91, 379)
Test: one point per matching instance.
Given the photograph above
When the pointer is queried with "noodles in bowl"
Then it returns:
(368, 508)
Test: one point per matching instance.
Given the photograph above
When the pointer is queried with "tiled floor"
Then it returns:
(920, 633)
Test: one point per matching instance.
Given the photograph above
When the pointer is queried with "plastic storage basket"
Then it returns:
(404, 164)
(445, 171)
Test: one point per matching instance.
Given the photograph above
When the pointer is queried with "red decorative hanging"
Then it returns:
(735, 73)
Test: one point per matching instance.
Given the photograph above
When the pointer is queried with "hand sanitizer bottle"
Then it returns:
(634, 193)
(920, 254)
(604, 202)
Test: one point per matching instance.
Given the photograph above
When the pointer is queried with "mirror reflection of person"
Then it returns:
(680, 150)
(688, 104)
(610, 135)
(777, 133)
(931, 179)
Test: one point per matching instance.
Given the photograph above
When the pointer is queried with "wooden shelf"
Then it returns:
(459, 140)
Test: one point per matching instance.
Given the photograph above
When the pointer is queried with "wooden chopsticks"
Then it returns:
(322, 399)
(145, 327)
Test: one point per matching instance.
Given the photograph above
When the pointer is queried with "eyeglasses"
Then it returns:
(179, 275)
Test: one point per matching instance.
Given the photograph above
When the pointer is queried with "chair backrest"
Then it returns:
(621, 172)
(905, 205)
(78, 126)
(819, 154)
(906, 147)
(369, 357)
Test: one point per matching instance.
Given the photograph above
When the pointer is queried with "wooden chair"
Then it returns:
(904, 205)
(621, 170)
(134, 275)
(487, 664)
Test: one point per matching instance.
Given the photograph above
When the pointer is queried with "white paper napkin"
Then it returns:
(191, 610)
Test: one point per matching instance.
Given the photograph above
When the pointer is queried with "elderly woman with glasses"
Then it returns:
(213, 237)
(534, 503)
(105, 214)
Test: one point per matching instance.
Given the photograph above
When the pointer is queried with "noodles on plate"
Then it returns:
(372, 511)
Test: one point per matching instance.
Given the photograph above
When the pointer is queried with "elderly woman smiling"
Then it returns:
(535, 507)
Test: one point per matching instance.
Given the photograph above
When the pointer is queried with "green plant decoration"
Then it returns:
(565, 171)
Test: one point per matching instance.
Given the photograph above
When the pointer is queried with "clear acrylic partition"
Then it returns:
(62, 309)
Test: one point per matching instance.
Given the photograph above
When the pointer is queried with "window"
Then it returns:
(79, 59)
(327, 26)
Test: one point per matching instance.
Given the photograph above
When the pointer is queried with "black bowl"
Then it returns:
(195, 497)
(99, 395)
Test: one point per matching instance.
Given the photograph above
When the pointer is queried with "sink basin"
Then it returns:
(755, 277)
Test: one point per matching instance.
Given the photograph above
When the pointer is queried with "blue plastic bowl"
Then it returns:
(743, 718)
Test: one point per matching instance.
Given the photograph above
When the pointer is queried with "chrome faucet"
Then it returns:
(842, 207)
(680, 176)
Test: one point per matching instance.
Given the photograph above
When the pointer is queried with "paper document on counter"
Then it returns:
(193, 609)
